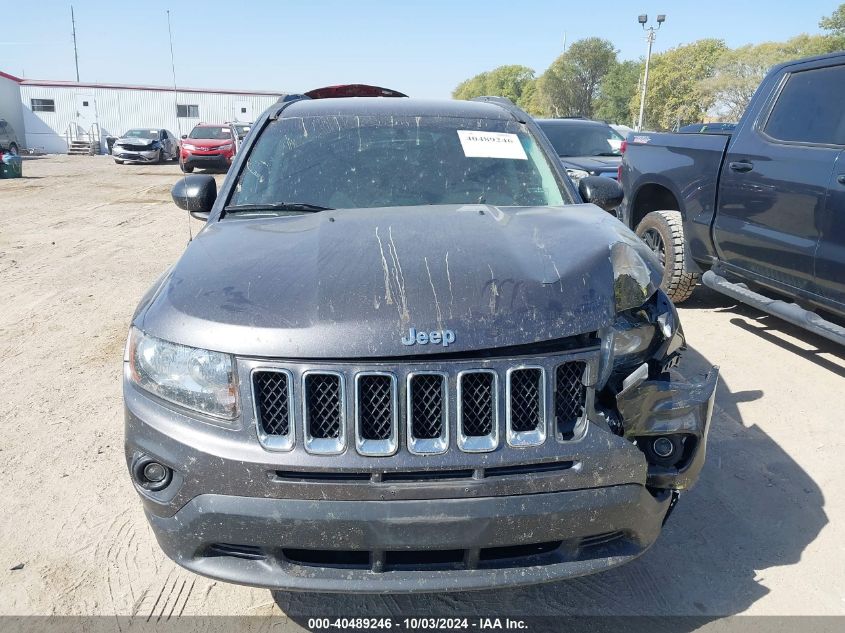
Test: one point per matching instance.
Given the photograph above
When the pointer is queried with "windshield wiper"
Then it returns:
(607, 154)
(276, 206)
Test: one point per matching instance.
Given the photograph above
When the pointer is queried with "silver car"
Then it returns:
(145, 145)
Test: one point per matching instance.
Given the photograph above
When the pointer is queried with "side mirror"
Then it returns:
(601, 191)
(184, 136)
(195, 194)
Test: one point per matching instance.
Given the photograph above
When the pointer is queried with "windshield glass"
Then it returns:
(376, 161)
(141, 133)
(209, 132)
(242, 130)
(583, 140)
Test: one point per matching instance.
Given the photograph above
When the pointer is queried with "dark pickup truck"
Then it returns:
(757, 212)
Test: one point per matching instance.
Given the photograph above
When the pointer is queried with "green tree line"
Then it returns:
(702, 79)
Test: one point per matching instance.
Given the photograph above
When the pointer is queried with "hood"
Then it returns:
(592, 163)
(207, 142)
(134, 140)
(352, 283)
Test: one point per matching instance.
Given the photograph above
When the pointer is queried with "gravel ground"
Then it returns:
(81, 239)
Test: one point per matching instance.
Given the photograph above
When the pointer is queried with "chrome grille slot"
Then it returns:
(478, 415)
(375, 414)
(273, 410)
(526, 406)
(324, 412)
(570, 397)
(427, 410)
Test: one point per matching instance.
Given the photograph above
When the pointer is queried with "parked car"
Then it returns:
(241, 129)
(209, 145)
(761, 207)
(145, 145)
(707, 128)
(586, 148)
(622, 130)
(9, 143)
(404, 355)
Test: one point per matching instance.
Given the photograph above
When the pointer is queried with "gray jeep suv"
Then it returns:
(404, 354)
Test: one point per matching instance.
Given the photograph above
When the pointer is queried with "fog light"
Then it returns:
(150, 474)
(155, 472)
(663, 447)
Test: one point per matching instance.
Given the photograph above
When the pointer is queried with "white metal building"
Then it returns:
(48, 114)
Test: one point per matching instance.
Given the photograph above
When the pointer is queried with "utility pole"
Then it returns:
(650, 37)
(75, 54)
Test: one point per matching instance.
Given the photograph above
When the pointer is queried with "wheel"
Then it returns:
(663, 233)
(186, 168)
(119, 162)
(13, 149)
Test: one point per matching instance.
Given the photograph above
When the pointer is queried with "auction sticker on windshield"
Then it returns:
(478, 144)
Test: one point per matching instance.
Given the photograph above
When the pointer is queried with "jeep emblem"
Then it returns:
(437, 337)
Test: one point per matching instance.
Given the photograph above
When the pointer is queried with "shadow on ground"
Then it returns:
(807, 345)
(754, 508)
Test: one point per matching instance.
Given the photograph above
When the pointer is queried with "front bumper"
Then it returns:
(151, 156)
(414, 545)
(206, 160)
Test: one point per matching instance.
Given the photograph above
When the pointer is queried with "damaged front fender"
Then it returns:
(672, 409)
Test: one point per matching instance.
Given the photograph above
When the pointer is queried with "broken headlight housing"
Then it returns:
(645, 317)
(198, 379)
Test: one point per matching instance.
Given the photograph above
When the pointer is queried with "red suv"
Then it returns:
(208, 145)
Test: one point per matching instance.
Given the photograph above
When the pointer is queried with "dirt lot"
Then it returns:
(82, 238)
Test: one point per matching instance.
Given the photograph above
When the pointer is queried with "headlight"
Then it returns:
(226, 146)
(577, 174)
(188, 146)
(194, 378)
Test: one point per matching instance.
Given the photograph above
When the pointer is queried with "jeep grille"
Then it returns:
(503, 400)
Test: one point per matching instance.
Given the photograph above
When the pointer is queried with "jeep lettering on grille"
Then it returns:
(437, 337)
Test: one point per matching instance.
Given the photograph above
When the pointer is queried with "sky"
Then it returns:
(421, 48)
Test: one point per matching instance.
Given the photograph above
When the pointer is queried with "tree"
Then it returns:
(504, 81)
(835, 22)
(739, 71)
(616, 91)
(677, 92)
(570, 86)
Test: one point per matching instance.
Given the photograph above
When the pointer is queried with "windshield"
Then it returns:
(379, 161)
(140, 133)
(208, 132)
(583, 140)
(242, 130)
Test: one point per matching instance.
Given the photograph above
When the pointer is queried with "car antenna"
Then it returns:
(176, 109)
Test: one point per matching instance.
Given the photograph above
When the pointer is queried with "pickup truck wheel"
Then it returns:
(663, 232)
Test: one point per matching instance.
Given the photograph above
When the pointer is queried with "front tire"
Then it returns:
(186, 168)
(119, 162)
(663, 233)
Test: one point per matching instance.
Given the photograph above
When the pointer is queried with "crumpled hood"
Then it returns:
(134, 140)
(351, 283)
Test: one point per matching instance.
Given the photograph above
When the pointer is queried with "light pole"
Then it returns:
(651, 34)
